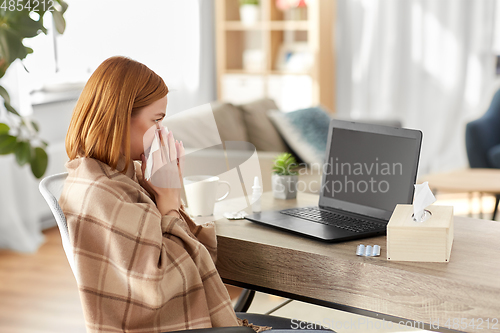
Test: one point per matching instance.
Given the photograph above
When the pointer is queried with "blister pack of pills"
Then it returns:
(368, 251)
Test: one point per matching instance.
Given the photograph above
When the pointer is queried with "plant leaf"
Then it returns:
(44, 30)
(11, 45)
(23, 152)
(11, 109)
(285, 164)
(4, 94)
(3, 67)
(59, 21)
(64, 6)
(25, 26)
(35, 126)
(39, 162)
(7, 144)
(4, 128)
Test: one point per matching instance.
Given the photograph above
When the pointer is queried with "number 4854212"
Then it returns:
(30, 5)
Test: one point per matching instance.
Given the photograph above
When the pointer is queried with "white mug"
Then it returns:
(201, 192)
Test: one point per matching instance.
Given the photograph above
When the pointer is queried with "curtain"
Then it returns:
(428, 63)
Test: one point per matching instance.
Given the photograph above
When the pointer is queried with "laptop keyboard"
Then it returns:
(337, 220)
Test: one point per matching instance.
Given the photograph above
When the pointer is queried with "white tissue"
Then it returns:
(155, 146)
(423, 198)
(151, 167)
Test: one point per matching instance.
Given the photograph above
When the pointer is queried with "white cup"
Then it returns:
(201, 192)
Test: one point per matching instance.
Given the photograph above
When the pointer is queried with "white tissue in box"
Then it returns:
(423, 197)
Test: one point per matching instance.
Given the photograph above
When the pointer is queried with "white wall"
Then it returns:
(173, 38)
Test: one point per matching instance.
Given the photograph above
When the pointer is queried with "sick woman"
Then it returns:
(140, 261)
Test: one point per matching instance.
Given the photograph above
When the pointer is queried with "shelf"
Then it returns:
(246, 51)
(276, 72)
(272, 72)
(238, 25)
(288, 46)
(289, 25)
(276, 53)
(288, 15)
(273, 25)
(243, 72)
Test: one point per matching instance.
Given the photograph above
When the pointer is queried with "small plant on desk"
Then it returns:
(285, 177)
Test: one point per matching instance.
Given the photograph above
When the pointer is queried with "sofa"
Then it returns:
(227, 140)
(234, 142)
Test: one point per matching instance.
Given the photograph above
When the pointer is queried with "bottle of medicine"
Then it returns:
(256, 194)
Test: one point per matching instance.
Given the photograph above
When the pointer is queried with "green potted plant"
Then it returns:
(19, 20)
(249, 11)
(285, 177)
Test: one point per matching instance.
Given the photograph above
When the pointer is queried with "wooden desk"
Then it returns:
(278, 262)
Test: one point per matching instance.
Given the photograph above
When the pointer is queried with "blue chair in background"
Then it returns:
(482, 140)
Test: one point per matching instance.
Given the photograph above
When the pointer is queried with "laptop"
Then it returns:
(368, 170)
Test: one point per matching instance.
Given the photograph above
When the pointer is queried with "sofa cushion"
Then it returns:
(305, 131)
(195, 127)
(261, 132)
(229, 121)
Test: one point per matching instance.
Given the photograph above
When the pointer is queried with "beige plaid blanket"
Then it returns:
(138, 271)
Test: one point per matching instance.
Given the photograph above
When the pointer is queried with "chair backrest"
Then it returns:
(51, 188)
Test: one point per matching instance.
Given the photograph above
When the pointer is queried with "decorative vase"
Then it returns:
(249, 14)
(284, 187)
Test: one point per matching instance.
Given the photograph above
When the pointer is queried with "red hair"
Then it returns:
(100, 125)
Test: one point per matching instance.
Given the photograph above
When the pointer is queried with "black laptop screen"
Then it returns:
(370, 169)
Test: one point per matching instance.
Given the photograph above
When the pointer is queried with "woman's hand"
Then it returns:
(166, 183)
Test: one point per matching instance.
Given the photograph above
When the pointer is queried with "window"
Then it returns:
(163, 34)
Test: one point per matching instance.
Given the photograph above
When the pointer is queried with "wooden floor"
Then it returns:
(38, 292)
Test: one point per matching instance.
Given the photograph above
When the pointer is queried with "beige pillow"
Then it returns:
(229, 121)
(261, 131)
(195, 127)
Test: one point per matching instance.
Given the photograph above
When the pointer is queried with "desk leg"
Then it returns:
(495, 209)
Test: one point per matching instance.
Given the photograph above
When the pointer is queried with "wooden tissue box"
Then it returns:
(430, 240)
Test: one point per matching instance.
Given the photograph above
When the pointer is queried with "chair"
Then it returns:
(482, 140)
(51, 188)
